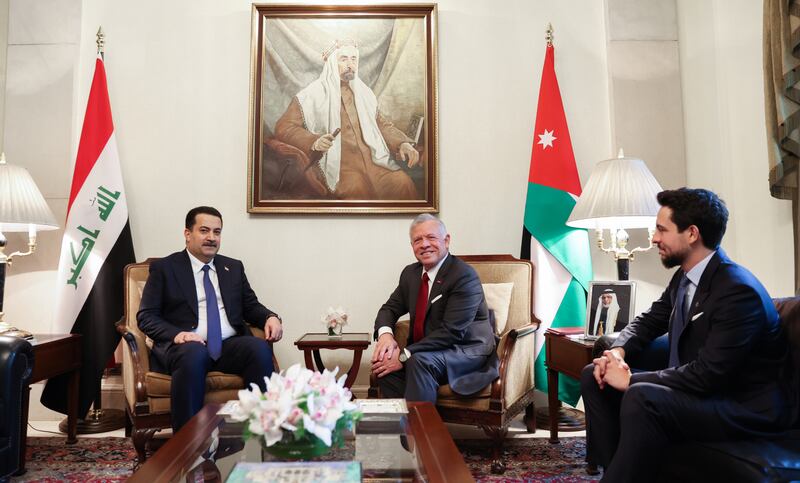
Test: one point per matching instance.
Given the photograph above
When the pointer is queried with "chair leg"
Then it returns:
(498, 436)
(530, 418)
(140, 439)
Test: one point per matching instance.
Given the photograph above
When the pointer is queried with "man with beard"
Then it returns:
(605, 315)
(194, 307)
(335, 121)
(726, 350)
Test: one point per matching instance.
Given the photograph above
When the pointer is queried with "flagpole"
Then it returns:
(99, 420)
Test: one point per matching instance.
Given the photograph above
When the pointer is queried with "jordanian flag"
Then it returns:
(96, 247)
(560, 253)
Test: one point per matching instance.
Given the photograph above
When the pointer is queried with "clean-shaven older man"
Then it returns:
(720, 380)
(451, 340)
(194, 308)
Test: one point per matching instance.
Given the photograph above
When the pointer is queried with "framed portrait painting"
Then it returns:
(609, 307)
(343, 109)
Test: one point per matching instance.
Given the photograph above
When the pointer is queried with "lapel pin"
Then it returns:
(226, 268)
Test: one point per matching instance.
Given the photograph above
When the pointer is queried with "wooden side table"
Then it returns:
(564, 355)
(53, 354)
(311, 343)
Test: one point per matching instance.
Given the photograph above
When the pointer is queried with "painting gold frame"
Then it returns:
(396, 67)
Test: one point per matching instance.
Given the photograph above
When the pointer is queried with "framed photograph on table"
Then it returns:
(343, 109)
(609, 307)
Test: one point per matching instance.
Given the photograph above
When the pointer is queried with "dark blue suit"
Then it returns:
(459, 342)
(731, 353)
(169, 306)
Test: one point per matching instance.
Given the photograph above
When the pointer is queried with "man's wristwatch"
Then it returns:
(403, 356)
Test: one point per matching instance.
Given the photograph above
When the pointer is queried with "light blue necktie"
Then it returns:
(214, 331)
(678, 321)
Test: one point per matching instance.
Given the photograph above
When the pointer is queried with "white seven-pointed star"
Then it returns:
(546, 139)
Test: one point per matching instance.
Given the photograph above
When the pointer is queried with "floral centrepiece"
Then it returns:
(335, 320)
(299, 406)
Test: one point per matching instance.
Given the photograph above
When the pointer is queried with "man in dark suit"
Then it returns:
(726, 350)
(450, 339)
(194, 308)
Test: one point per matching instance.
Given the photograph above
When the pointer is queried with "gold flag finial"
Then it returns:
(101, 40)
(549, 34)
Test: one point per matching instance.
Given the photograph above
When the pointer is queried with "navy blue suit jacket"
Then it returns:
(457, 323)
(169, 300)
(732, 348)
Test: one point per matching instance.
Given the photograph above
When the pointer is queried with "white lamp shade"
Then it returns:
(22, 206)
(620, 193)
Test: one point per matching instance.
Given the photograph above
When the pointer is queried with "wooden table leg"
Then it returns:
(318, 360)
(307, 357)
(554, 403)
(353, 372)
(72, 407)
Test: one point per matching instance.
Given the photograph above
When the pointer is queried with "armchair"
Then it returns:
(16, 365)
(147, 393)
(493, 408)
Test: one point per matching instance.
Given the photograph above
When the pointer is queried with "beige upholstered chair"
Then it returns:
(147, 393)
(493, 408)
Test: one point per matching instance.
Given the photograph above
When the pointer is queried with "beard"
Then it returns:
(674, 259)
(348, 75)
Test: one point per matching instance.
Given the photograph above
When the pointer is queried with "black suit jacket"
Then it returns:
(169, 300)
(456, 322)
(732, 347)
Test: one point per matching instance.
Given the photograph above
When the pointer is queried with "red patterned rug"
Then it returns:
(112, 459)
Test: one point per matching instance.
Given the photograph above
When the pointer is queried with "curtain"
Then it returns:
(782, 109)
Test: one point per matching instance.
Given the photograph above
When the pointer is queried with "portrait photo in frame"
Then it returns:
(609, 307)
(343, 109)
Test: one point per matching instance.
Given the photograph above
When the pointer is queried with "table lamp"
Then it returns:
(22, 209)
(620, 194)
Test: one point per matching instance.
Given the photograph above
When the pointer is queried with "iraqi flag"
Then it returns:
(559, 253)
(96, 247)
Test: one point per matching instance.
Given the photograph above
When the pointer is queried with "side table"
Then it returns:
(311, 343)
(564, 355)
(53, 355)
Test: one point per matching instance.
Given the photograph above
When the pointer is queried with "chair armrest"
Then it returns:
(508, 349)
(139, 387)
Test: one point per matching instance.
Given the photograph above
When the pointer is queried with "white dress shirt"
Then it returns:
(202, 316)
(694, 276)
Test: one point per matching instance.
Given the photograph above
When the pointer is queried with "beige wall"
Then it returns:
(178, 77)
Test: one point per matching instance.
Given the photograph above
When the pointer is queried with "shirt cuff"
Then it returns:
(385, 330)
(405, 351)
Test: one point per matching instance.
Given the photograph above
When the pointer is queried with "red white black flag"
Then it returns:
(96, 247)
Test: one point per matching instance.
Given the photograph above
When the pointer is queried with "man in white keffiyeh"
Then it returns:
(335, 120)
(605, 317)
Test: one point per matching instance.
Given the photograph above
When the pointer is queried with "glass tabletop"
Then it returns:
(383, 447)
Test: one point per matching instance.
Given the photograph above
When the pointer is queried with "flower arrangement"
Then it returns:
(335, 320)
(299, 406)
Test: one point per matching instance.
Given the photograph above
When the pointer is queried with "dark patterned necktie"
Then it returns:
(422, 306)
(214, 331)
(678, 321)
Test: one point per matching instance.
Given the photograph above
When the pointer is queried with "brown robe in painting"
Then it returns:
(359, 178)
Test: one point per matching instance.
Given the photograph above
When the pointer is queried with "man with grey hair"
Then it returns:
(450, 340)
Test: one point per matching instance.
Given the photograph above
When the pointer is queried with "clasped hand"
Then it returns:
(386, 358)
(611, 369)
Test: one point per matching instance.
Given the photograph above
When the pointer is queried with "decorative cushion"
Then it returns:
(498, 298)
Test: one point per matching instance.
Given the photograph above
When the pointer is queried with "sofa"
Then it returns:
(755, 460)
(16, 365)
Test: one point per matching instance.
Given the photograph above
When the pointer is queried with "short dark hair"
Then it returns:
(699, 207)
(191, 217)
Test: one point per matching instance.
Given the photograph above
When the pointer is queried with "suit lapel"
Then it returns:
(413, 287)
(704, 287)
(436, 289)
(223, 278)
(185, 276)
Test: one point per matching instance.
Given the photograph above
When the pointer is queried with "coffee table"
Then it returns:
(424, 441)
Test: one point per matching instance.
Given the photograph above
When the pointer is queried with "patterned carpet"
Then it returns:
(111, 459)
